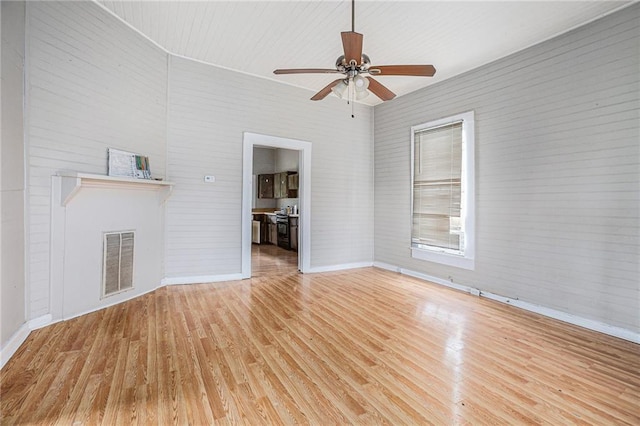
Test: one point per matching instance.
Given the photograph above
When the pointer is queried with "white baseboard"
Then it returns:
(598, 326)
(14, 343)
(108, 305)
(21, 335)
(387, 266)
(40, 322)
(340, 267)
(201, 279)
(601, 327)
(426, 277)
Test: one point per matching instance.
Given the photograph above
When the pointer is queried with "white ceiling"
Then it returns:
(256, 37)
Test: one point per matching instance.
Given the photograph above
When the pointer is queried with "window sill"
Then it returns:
(444, 258)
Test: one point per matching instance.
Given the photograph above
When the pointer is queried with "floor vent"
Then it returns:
(117, 267)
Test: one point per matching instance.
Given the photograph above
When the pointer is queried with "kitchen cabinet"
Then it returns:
(292, 185)
(260, 228)
(278, 185)
(273, 234)
(286, 185)
(266, 186)
(255, 232)
(293, 181)
(272, 229)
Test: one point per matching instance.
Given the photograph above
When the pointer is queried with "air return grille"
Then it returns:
(118, 262)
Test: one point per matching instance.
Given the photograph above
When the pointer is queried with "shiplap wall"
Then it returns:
(557, 172)
(93, 83)
(209, 109)
(12, 282)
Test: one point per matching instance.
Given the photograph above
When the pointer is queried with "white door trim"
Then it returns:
(251, 140)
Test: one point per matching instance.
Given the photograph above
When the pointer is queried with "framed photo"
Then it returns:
(128, 164)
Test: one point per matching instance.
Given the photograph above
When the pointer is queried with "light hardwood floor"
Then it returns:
(363, 346)
(268, 259)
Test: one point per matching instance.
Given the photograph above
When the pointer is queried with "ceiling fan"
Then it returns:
(353, 64)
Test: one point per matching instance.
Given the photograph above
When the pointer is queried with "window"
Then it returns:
(443, 191)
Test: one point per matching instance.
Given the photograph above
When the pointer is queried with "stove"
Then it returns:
(282, 223)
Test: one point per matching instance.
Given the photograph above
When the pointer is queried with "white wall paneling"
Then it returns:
(557, 173)
(209, 110)
(93, 83)
(456, 36)
(557, 159)
(12, 186)
(84, 208)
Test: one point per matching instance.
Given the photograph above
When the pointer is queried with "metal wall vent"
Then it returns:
(117, 275)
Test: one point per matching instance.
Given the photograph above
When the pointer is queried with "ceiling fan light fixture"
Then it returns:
(340, 89)
(352, 86)
(361, 95)
(360, 83)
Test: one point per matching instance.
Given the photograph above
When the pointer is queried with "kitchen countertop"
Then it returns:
(270, 213)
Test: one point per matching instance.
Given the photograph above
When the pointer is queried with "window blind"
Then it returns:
(437, 187)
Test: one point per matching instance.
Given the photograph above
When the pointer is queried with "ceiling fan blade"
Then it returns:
(352, 44)
(306, 71)
(325, 91)
(379, 90)
(415, 70)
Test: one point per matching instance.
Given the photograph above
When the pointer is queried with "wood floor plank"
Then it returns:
(362, 346)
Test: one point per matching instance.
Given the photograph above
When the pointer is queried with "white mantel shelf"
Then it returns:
(72, 182)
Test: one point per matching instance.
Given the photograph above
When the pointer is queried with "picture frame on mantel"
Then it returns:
(127, 164)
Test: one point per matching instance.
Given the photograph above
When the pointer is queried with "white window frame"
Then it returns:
(466, 258)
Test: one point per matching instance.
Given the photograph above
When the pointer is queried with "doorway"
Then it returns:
(254, 140)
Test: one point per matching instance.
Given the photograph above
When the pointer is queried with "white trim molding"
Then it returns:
(14, 343)
(201, 279)
(601, 327)
(598, 326)
(21, 335)
(40, 322)
(464, 258)
(251, 140)
(340, 267)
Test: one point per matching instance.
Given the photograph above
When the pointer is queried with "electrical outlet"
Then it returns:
(209, 179)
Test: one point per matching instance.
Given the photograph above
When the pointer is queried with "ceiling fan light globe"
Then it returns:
(361, 95)
(360, 83)
(339, 89)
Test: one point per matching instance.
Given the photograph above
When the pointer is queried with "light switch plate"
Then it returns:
(209, 179)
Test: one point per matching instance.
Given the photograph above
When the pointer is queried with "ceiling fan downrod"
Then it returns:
(353, 16)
